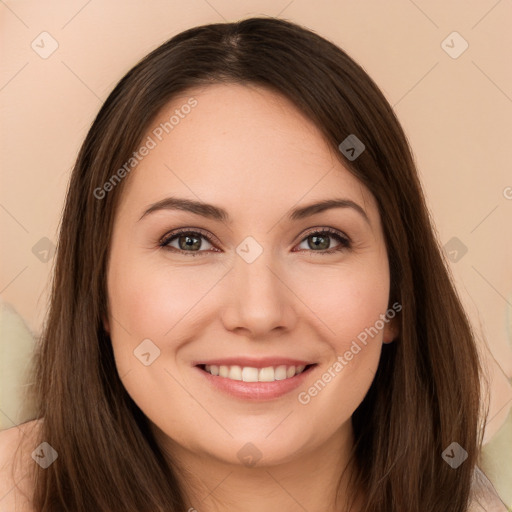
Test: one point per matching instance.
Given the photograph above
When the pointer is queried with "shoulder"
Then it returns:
(484, 497)
(16, 446)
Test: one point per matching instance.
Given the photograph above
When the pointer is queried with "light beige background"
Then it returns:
(456, 112)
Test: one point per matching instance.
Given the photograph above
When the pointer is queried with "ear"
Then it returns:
(391, 330)
(106, 325)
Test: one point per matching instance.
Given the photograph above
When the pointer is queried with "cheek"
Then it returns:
(346, 300)
(156, 302)
(151, 299)
(349, 306)
(153, 302)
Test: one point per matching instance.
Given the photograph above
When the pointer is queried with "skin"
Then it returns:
(251, 152)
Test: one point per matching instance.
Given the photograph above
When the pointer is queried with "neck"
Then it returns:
(310, 479)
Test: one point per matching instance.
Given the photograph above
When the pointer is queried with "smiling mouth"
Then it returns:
(251, 374)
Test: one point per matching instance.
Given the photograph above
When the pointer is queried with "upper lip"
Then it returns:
(254, 363)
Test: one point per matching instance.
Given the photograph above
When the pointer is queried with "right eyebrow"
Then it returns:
(197, 207)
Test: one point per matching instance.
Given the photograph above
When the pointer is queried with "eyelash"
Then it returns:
(169, 237)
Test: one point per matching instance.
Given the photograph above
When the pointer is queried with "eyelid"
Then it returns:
(171, 234)
(325, 229)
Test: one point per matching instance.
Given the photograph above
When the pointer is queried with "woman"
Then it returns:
(254, 375)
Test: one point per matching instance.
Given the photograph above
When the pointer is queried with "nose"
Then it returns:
(258, 298)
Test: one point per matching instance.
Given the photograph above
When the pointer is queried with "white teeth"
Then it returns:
(266, 374)
(250, 374)
(235, 373)
(280, 372)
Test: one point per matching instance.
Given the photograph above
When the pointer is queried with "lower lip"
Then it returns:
(256, 390)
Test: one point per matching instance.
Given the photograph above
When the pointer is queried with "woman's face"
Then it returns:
(260, 300)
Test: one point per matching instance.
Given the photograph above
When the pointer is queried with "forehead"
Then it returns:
(239, 143)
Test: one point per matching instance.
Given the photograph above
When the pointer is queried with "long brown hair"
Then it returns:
(426, 392)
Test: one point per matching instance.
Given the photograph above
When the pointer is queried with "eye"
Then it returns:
(188, 242)
(320, 240)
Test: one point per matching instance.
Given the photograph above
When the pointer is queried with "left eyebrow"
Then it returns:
(312, 209)
(217, 213)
